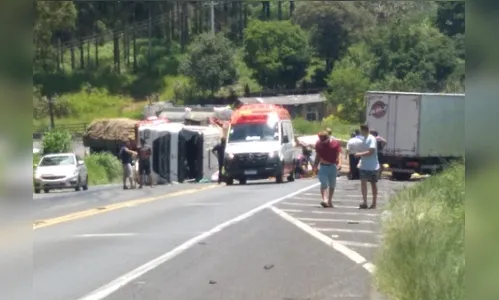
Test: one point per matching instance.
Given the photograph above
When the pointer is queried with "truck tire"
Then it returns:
(229, 181)
(400, 176)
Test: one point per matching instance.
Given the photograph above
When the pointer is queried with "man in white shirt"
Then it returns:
(354, 145)
(368, 167)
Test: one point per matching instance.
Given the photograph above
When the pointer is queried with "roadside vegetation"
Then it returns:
(422, 255)
(103, 168)
(99, 59)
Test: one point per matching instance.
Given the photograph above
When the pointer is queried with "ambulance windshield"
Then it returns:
(253, 132)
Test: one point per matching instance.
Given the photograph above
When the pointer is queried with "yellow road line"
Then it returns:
(108, 208)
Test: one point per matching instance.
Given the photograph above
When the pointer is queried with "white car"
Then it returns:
(60, 171)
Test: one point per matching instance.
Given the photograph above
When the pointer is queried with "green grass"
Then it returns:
(422, 255)
(341, 130)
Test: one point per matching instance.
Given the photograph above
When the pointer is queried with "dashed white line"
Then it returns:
(336, 220)
(344, 230)
(351, 254)
(329, 212)
(357, 244)
(104, 235)
(316, 205)
(125, 279)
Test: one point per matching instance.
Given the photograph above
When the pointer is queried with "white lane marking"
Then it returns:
(316, 205)
(335, 199)
(339, 213)
(104, 235)
(293, 210)
(357, 244)
(123, 280)
(336, 220)
(344, 230)
(336, 196)
(351, 254)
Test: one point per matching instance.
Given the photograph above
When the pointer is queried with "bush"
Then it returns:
(57, 141)
(103, 168)
(341, 130)
(422, 256)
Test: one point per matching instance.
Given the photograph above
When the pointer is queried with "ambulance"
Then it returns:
(260, 144)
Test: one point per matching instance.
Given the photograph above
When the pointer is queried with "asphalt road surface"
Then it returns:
(201, 241)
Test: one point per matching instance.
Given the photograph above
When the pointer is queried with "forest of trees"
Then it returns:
(341, 48)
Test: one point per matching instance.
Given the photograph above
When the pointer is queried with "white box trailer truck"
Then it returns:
(424, 131)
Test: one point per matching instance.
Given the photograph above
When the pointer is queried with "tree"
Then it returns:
(415, 53)
(278, 52)
(209, 62)
(333, 26)
(349, 81)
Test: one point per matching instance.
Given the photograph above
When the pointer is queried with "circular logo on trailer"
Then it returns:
(378, 109)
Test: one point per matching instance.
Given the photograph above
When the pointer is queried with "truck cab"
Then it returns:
(259, 144)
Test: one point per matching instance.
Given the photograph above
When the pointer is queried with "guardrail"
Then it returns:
(76, 129)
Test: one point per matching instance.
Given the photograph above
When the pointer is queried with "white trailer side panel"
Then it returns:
(396, 118)
(442, 131)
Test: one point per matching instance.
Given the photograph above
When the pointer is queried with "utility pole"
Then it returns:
(50, 102)
(212, 9)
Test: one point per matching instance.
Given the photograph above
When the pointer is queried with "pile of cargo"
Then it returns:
(109, 134)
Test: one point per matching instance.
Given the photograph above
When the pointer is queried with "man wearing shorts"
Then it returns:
(368, 167)
(328, 160)
(144, 163)
(126, 156)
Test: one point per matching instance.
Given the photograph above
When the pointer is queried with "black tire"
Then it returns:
(78, 186)
(243, 181)
(46, 191)
(399, 176)
(229, 181)
(291, 177)
(85, 186)
(37, 191)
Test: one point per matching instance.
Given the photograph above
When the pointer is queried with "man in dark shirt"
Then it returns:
(144, 163)
(219, 151)
(328, 160)
(126, 156)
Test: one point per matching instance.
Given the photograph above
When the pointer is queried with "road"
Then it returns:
(202, 241)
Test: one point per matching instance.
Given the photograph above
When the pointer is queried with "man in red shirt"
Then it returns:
(144, 154)
(328, 159)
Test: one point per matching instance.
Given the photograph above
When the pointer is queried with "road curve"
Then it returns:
(259, 256)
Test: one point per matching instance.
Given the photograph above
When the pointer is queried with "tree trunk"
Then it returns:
(82, 55)
(134, 45)
(291, 8)
(96, 51)
(116, 50)
(279, 10)
(88, 53)
(72, 51)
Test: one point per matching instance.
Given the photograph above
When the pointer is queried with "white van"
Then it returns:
(260, 144)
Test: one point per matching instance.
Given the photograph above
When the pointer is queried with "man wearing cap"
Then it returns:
(328, 162)
(144, 154)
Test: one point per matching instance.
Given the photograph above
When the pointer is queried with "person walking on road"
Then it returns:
(144, 163)
(368, 167)
(328, 160)
(219, 151)
(126, 156)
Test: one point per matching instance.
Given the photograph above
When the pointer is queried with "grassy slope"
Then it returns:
(422, 255)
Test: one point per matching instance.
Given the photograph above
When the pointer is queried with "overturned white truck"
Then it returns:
(181, 152)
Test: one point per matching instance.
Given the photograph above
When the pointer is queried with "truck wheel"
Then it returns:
(401, 176)
(242, 181)
(37, 191)
(229, 181)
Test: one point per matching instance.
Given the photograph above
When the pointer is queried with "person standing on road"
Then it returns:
(328, 160)
(368, 167)
(126, 156)
(144, 163)
(219, 151)
(380, 144)
(353, 146)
